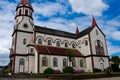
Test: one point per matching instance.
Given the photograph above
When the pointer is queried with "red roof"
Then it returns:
(94, 22)
(24, 2)
(49, 50)
(77, 30)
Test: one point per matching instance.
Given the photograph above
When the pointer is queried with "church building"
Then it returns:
(35, 48)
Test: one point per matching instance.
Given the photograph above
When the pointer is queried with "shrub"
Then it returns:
(97, 70)
(115, 67)
(57, 71)
(78, 71)
(49, 71)
(108, 70)
(68, 70)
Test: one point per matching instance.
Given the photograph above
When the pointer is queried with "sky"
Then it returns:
(64, 15)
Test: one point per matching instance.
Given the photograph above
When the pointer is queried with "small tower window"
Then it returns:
(58, 43)
(26, 12)
(49, 42)
(24, 41)
(20, 11)
(86, 42)
(96, 32)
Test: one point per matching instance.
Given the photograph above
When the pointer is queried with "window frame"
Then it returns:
(49, 42)
(55, 62)
(24, 41)
(44, 62)
(40, 41)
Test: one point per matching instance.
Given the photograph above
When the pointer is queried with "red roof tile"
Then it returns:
(49, 50)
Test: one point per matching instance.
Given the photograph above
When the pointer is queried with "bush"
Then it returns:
(115, 67)
(78, 71)
(57, 71)
(108, 70)
(49, 71)
(68, 70)
(97, 70)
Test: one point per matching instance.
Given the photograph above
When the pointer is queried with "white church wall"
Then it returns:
(88, 64)
(60, 62)
(25, 20)
(98, 61)
(17, 67)
(53, 37)
(20, 47)
(31, 64)
(95, 37)
(84, 49)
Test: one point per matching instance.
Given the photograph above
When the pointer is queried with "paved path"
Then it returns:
(111, 78)
(23, 79)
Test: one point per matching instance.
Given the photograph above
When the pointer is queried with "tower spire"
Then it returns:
(94, 22)
(77, 30)
(24, 2)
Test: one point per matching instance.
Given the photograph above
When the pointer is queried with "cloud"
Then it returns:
(88, 7)
(49, 9)
(7, 14)
(113, 49)
(116, 35)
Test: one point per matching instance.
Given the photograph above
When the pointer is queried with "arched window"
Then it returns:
(96, 32)
(73, 63)
(21, 65)
(58, 43)
(55, 62)
(99, 48)
(24, 41)
(73, 45)
(49, 42)
(64, 62)
(44, 61)
(39, 41)
(21, 61)
(31, 50)
(20, 11)
(26, 12)
(66, 44)
(81, 63)
(86, 42)
(79, 45)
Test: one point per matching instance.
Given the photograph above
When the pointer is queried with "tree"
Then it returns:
(115, 59)
(70, 55)
(115, 65)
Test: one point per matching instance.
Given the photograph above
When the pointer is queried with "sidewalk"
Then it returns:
(111, 78)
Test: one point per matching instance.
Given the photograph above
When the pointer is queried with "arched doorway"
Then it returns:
(21, 65)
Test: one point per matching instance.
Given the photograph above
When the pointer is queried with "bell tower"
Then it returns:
(21, 37)
(23, 16)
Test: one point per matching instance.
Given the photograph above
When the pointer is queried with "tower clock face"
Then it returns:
(25, 26)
